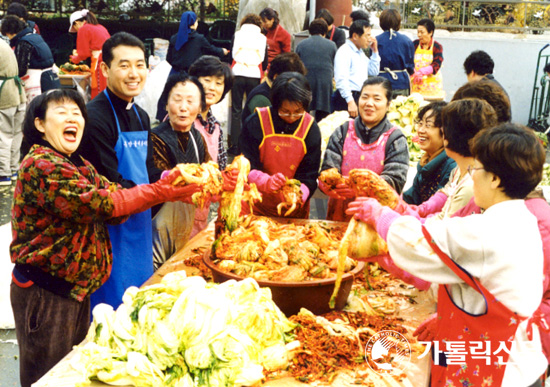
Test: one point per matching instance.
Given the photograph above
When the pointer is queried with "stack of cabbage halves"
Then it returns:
(186, 332)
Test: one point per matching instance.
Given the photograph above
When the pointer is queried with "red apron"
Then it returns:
(281, 153)
(497, 325)
(358, 155)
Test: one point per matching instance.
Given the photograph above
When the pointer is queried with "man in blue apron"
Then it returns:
(117, 142)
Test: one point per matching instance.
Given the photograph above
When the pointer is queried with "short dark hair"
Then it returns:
(11, 24)
(488, 91)
(479, 62)
(270, 14)
(293, 87)
(463, 119)
(178, 77)
(358, 27)
(390, 19)
(427, 23)
(514, 154)
(385, 83)
(287, 61)
(38, 108)
(18, 10)
(208, 66)
(436, 108)
(547, 68)
(318, 27)
(120, 39)
(360, 14)
(252, 18)
(325, 15)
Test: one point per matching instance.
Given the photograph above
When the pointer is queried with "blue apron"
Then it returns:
(131, 240)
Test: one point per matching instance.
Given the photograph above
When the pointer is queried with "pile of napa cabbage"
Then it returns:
(186, 332)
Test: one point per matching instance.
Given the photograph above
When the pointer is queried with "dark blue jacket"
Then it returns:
(41, 57)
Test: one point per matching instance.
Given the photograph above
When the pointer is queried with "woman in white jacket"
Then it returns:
(249, 52)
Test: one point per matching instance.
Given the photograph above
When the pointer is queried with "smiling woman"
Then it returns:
(369, 141)
(61, 247)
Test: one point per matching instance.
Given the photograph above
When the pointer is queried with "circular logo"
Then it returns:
(387, 352)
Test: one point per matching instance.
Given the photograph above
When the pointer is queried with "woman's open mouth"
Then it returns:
(69, 134)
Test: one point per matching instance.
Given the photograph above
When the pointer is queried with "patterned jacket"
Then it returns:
(60, 240)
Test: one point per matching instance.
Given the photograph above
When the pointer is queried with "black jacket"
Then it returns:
(195, 47)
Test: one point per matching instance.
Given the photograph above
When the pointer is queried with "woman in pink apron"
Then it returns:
(490, 286)
(283, 142)
(428, 57)
(217, 79)
(368, 142)
(278, 39)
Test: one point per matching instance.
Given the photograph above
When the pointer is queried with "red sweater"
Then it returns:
(278, 41)
(90, 37)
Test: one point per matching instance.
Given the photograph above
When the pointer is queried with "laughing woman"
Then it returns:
(434, 168)
(61, 247)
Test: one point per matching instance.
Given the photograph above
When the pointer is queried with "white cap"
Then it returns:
(76, 15)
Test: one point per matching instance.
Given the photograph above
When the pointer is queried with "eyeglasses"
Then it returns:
(425, 124)
(292, 115)
(471, 169)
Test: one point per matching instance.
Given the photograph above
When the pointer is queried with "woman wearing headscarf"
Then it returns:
(89, 40)
(188, 45)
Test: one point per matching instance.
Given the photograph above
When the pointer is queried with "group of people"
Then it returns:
(95, 210)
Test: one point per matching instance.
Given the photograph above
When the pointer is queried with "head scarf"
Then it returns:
(187, 20)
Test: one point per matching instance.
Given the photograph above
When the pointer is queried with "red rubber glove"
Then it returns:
(265, 182)
(417, 78)
(325, 188)
(230, 179)
(428, 329)
(345, 191)
(142, 197)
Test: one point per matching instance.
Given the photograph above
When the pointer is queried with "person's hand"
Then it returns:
(325, 188)
(428, 329)
(230, 179)
(305, 193)
(367, 210)
(426, 70)
(352, 109)
(373, 43)
(275, 182)
(344, 191)
(404, 208)
(168, 192)
(417, 78)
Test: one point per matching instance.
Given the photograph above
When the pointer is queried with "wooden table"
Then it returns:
(63, 375)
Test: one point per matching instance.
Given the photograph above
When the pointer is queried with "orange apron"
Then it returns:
(432, 85)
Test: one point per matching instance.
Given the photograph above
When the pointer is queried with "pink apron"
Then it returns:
(281, 153)
(201, 214)
(357, 155)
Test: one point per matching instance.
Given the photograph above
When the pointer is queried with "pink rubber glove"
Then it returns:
(367, 210)
(404, 208)
(370, 211)
(329, 191)
(305, 193)
(426, 70)
(266, 182)
(428, 329)
(433, 205)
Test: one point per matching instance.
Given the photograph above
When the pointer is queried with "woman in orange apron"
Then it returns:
(368, 142)
(283, 142)
(428, 57)
(90, 38)
(490, 286)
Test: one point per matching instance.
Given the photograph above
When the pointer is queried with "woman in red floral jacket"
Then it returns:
(61, 247)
